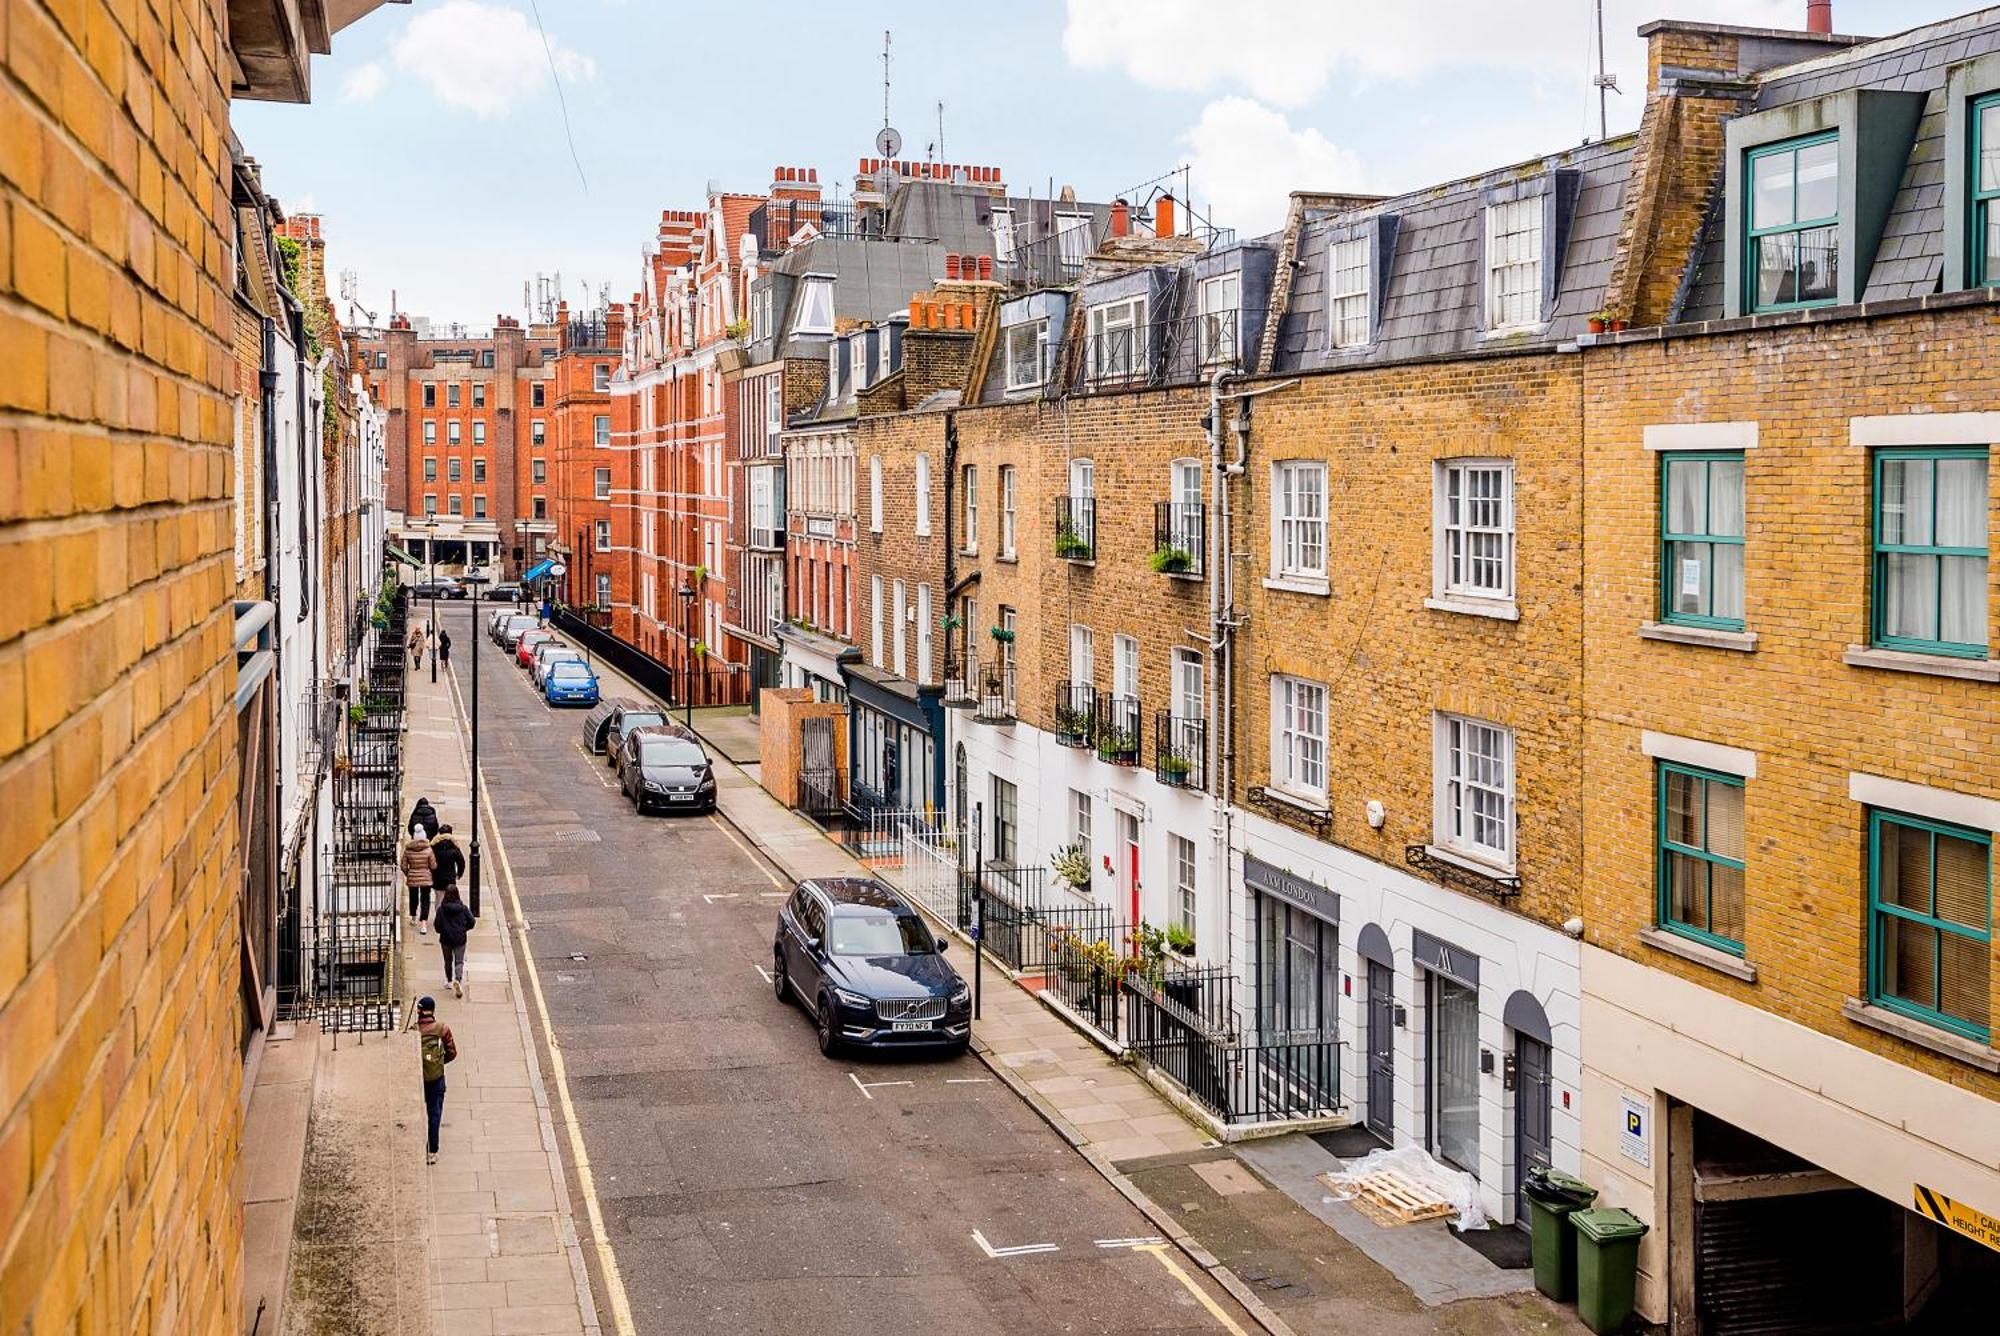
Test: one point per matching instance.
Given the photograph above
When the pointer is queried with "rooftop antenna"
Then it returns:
(888, 142)
(941, 157)
(1606, 83)
(885, 78)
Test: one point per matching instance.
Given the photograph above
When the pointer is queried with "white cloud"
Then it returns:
(1287, 53)
(483, 58)
(362, 85)
(1247, 159)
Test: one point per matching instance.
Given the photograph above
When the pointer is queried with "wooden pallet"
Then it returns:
(1392, 1199)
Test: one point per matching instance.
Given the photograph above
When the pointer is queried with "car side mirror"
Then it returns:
(812, 944)
(942, 944)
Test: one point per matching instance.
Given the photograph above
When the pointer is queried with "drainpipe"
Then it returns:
(267, 383)
(1217, 704)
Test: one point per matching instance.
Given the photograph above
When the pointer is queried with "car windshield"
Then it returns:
(570, 670)
(879, 932)
(670, 751)
(640, 718)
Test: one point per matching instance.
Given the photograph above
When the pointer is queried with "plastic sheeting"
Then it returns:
(1459, 1189)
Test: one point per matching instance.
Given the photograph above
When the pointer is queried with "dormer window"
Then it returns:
(1514, 263)
(1986, 189)
(815, 305)
(1027, 345)
(1348, 295)
(1003, 235)
(1793, 240)
(836, 353)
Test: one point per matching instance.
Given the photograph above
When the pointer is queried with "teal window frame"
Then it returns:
(1668, 537)
(1983, 201)
(1883, 551)
(1753, 234)
(1666, 847)
(1877, 911)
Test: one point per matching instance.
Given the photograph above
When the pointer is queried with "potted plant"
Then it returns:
(952, 621)
(1175, 768)
(1072, 864)
(1002, 635)
(356, 714)
(1114, 743)
(1070, 544)
(1072, 724)
(1172, 560)
(737, 329)
(1179, 940)
(1598, 320)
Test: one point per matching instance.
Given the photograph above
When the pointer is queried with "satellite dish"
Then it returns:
(889, 143)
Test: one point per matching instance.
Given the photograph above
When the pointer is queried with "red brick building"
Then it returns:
(581, 503)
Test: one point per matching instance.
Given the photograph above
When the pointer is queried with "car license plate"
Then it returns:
(909, 1025)
(680, 797)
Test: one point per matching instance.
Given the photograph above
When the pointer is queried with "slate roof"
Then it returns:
(1431, 304)
(1910, 259)
(873, 278)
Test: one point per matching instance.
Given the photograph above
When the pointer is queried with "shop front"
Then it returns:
(894, 727)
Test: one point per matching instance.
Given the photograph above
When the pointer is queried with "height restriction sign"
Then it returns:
(1974, 1224)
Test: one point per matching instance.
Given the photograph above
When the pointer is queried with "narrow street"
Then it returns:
(746, 1183)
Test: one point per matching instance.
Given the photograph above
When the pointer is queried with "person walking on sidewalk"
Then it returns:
(423, 820)
(419, 862)
(437, 1047)
(444, 648)
(450, 859)
(454, 922)
(417, 646)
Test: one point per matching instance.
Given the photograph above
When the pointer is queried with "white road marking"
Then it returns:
(772, 895)
(866, 1086)
(766, 973)
(1019, 1250)
(1146, 1242)
(720, 895)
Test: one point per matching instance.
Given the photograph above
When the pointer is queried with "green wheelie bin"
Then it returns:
(1607, 1265)
(1552, 1195)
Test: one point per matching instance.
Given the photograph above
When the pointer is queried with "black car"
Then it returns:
(629, 717)
(865, 964)
(664, 766)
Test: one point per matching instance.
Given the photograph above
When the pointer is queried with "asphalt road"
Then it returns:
(747, 1184)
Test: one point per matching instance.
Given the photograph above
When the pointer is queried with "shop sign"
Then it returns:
(1290, 887)
(1441, 957)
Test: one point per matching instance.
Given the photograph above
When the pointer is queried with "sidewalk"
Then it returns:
(483, 1241)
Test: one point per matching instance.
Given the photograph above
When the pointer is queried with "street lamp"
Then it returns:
(686, 593)
(431, 552)
(476, 581)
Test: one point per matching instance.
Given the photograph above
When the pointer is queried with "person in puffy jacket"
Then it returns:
(423, 820)
(419, 861)
(450, 859)
(454, 922)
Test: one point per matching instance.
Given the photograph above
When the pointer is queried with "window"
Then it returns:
(923, 496)
(1793, 238)
(603, 530)
(1189, 701)
(1701, 556)
(479, 433)
(479, 470)
(1180, 851)
(1079, 820)
(1476, 522)
(1125, 666)
(479, 507)
(1930, 550)
(603, 590)
(456, 469)
(430, 396)
(1514, 263)
(1476, 789)
(1298, 737)
(1349, 293)
(971, 508)
(815, 305)
(1003, 235)
(451, 432)
(1118, 339)
(479, 394)
(898, 615)
(1073, 237)
(535, 395)
(1930, 896)
(603, 484)
(455, 505)
(774, 411)
(875, 620)
(875, 494)
(430, 468)
(1298, 512)
(1220, 301)
(600, 377)
(1007, 530)
(1986, 189)
(1027, 354)
(430, 503)
(602, 426)
(541, 471)
(430, 433)
(541, 507)
(1082, 653)
(539, 432)
(1701, 855)
(923, 633)
(451, 395)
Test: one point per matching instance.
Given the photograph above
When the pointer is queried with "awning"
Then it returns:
(398, 554)
(537, 571)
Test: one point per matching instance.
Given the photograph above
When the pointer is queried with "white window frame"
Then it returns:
(430, 433)
(1188, 698)
(1298, 536)
(971, 543)
(875, 621)
(452, 432)
(815, 305)
(1082, 653)
(874, 494)
(1029, 375)
(1125, 667)
(1514, 264)
(1108, 318)
(601, 531)
(923, 496)
(602, 480)
(1299, 737)
(604, 589)
(1008, 530)
(600, 377)
(1082, 830)
(1182, 865)
(924, 627)
(1465, 751)
(1003, 235)
(1219, 301)
(1457, 535)
(538, 432)
(1073, 237)
(1350, 291)
(898, 614)
(601, 427)
(479, 432)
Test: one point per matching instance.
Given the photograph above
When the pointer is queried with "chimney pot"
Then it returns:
(1819, 16)
(950, 265)
(986, 268)
(1121, 218)
(1163, 216)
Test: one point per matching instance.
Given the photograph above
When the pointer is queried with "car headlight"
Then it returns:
(962, 995)
(847, 998)
(656, 786)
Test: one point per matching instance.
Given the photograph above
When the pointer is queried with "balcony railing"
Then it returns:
(995, 704)
(1180, 750)
(1163, 352)
(1076, 713)
(1076, 528)
(1180, 537)
(1116, 731)
(957, 676)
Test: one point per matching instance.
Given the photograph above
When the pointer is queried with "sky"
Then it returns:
(438, 145)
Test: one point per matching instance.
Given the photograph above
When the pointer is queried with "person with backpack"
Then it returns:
(418, 863)
(444, 648)
(436, 1047)
(424, 818)
(454, 923)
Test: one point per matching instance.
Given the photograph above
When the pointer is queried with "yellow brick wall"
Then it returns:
(1810, 718)
(119, 1011)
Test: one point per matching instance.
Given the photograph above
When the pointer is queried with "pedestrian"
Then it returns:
(417, 646)
(424, 818)
(454, 923)
(444, 648)
(418, 863)
(450, 859)
(437, 1047)
(547, 612)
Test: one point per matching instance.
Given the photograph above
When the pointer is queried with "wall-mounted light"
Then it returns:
(1377, 813)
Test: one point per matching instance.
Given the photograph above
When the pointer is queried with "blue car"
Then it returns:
(570, 683)
(867, 969)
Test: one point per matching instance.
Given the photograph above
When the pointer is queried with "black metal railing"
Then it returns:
(1184, 1027)
(1049, 257)
(819, 792)
(1076, 528)
(699, 685)
(1180, 537)
(1085, 958)
(1076, 713)
(1180, 750)
(958, 681)
(996, 693)
(1181, 351)
(1116, 733)
(1023, 912)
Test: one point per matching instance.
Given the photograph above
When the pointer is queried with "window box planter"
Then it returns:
(1172, 561)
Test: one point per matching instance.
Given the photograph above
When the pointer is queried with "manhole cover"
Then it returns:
(580, 837)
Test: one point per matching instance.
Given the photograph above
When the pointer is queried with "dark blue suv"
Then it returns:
(868, 969)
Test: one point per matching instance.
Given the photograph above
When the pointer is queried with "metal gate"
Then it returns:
(819, 769)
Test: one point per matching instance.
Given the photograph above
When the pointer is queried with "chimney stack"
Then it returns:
(1819, 16)
(1163, 216)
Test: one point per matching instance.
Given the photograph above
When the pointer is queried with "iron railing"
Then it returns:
(1076, 528)
(875, 837)
(995, 703)
(957, 675)
(819, 792)
(1176, 1024)
(1076, 713)
(1183, 351)
(1049, 257)
(1180, 537)
(1116, 734)
(1180, 750)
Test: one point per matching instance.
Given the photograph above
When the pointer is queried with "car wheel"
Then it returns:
(828, 1026)
(781, 984)
(960, 1049)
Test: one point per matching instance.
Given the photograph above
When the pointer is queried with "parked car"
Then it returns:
(570, 682)
(515, 627)
(664, 765)
(867, 968)
(598, 720)
(547, 655)
(437, 589)
(504, 592)
(524, 646)
(494, 620)
(632, 715)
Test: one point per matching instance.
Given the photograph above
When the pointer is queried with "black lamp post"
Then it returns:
(686, 593)
(476, 581)
(431, 552)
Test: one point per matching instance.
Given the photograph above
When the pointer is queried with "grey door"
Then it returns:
(1381, 1051)
(1531, 1114)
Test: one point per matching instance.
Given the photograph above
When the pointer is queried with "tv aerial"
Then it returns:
(889, 142)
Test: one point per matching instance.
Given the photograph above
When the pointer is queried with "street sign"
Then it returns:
(1974, 1224)
(1634, 1139)
(558, 569)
